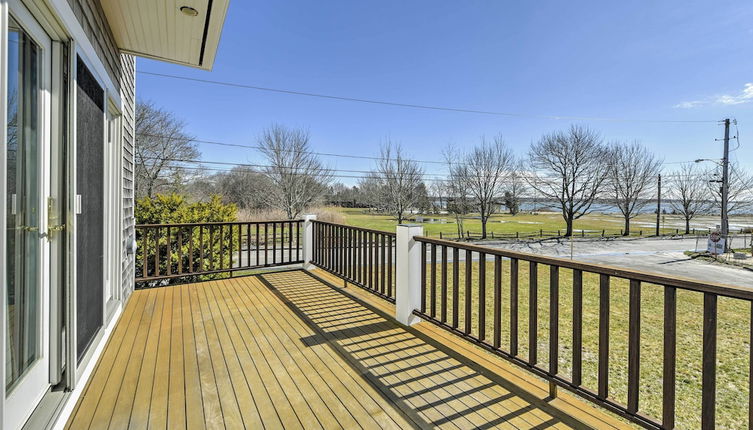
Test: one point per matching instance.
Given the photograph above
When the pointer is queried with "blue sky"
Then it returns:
(667, 60)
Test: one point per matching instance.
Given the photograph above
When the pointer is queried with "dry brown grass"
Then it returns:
(322, 214)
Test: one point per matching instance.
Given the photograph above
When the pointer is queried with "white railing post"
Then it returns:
(308, 241)
(408, 277)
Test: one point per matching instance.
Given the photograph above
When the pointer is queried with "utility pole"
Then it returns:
(658, 206)
(725, 185)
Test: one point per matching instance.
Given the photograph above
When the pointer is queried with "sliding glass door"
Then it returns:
(27, 265)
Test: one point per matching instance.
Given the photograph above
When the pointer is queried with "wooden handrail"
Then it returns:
(618, 272)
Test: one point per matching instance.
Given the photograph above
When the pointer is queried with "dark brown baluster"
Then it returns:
(443, 299)
(455, 286)
(351, 248)
(364, 260)
(156, 251)
(423, 277)
(577, 327)
(481, 296)
(375, 261)
(354, 251)
(554, 321)
(169, 252)
(144, 258)
(634, 345)
(325, 245)
(180, 250)
(201, 249)
(334, 249)
(708, 386)
(248, 245)
(369, 259)
(338, 249)
(190, 249)
(230, 249)
(240, 245)
(533, 311)
(258, 247)
(497, 301)
(670, 363)
(266, 244)
(383, 265)
(390, 266)
(298, 241)
(468, 296)
(274, 243)
(211, 247)
(221, 254)
(433, 275)
(603, 336)
(514, 306)
(290, 241)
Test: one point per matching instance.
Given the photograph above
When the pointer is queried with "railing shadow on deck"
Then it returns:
(370, 340)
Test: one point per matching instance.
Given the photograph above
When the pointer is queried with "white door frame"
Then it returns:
(113, 203)
(21, 400)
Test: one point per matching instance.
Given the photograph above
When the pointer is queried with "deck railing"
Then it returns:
(619, 338)
(361, 256)
(169, 251)
(472, 318)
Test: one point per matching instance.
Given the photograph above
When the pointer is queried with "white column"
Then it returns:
(308, 241)
(408, 278)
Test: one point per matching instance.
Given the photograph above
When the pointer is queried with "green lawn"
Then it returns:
(733, 339)
(505, 223)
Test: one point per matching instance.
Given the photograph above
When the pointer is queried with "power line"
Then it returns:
(411, 105)
(326, 154)
(265, 166)
(335, 173)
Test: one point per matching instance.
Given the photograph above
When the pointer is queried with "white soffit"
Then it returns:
(158, 29)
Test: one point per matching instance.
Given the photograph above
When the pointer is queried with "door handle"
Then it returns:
(52, 230)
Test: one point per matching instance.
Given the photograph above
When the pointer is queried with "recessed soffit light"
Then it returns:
(189, 11)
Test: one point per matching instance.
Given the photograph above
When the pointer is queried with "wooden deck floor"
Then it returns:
(286, 350)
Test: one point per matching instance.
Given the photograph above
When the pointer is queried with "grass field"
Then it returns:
(733, 339)
(523, 223)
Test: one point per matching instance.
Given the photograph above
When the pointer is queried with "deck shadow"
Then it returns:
(425, 380)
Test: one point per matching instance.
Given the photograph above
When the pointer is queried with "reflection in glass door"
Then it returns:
(23, 204)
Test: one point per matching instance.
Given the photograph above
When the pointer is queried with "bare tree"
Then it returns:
(244, 186)
(438, 193)
(688, 194)
(484, 171)
(633, 171)
(399, 180)
(297, 176)
(458, 204)
(161, 144)
(515, 188)
(370, 190)
(740, 188)
(569, 168)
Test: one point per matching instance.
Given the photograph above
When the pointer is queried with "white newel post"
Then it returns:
(408, 277)
(308, 241)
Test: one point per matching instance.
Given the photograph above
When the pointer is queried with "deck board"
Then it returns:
(286, 349)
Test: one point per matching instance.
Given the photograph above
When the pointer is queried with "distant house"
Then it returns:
(67, 98)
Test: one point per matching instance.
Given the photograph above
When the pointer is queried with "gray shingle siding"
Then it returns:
(90, 15)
